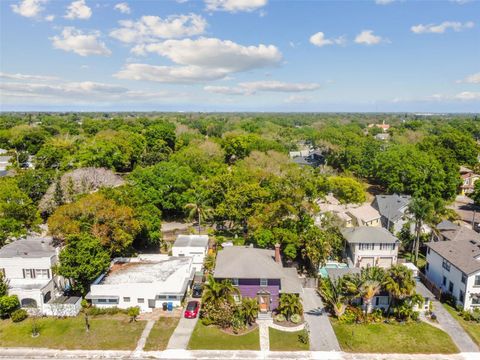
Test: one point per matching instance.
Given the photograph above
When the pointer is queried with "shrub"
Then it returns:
(8, 304)
(376, 315)
(280, 318)
(433, 317)
(303, 337)
(19, 315)
(94, 311)
(351, 315)
(295, 318)
(449, 299)
(133, 312)
(221, 314)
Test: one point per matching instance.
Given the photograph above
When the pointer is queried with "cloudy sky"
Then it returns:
(240, 55)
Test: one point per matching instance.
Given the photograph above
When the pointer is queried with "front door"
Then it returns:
(264, 302)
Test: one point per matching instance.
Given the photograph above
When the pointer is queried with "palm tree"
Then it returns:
(333, 293)
(198, 209)
(290, 304)
(400, 284)
(369, 289)
(217, 292)
(250, 309)
(421, 209)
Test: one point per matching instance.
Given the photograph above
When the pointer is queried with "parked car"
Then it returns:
(192, 309)
(197, 290)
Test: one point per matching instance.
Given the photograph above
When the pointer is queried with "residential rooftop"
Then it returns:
(463, 254)
(454, 232)
(191, 241)
(30, 247)
(365, 212)
(391, 206)
(368, 234)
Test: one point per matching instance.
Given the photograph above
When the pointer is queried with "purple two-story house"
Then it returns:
(258, 273)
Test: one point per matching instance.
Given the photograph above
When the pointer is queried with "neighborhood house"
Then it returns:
(370, 246)
(365, 215)
(468, 180)
(258, 273)
(454, 267)
(195, 246)
(393, 209)
(27, 266)
(147, 281)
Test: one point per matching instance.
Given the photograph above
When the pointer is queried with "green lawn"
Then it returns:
(211, 338)
(471, 327)
(286, 341)
(160, 334)
(112, 332)
(393, 338)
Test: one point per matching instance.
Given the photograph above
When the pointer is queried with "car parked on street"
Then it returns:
(192, 309)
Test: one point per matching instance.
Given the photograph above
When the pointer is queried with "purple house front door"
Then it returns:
(263, 301)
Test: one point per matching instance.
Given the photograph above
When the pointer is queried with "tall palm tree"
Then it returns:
(217, 292)
(368, 290)
(400, 283)
(333, 293)
(198, 209)
(421, 209)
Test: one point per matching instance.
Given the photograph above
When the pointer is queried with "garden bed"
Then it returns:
(231, 331)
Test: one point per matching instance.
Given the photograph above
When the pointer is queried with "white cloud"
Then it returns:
(123, 8)
(78, 10)
(298, 99)
(384, 2)
(234, 5)
(471, 79)
(83, 44)
(50, 17)
(22, 77)
(29, 8)
(153, 28)
(442, 28)
(203, 59)
(367, 37)
(320, 40)
(250, 88)
(461, 2)
(468, 96)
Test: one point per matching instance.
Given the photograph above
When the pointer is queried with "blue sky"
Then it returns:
(240, 55)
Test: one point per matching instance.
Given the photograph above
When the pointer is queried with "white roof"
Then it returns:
(365, 213)
(191, 241)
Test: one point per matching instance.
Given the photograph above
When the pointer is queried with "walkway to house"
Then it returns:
(453, 328)
(322, 336)
(263, 326)
(143, 338)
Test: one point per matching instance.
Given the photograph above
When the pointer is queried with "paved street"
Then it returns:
(181, 335)
(453, 328)
(26, 353)
(322, 337)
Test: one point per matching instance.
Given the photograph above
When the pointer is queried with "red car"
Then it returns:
(192, 309)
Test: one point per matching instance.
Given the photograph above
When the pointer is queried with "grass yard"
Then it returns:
(286, 341)
(472, 328)
(393, 338)
(161, 333)
(211, 338)
(112, 332)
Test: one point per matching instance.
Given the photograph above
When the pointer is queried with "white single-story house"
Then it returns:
(195, 246)
(370, 246)
(421, 289)
(146, 281)
(454, 267)
(27, 266)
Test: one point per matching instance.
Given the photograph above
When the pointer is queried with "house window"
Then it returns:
(475, 300)
(263, 282)
(161, 297)
(366, 246)
(464, 278)
(236, 298)
(112, 301)
(28, 274)
(140, 300)
(450, 287)
(427, 266)
(42, 273)
(446, 265)
(235, 281)
(444, 281)
(171, 297)
(126, 299)
(461, 296)
(477, 280)
(101, 301)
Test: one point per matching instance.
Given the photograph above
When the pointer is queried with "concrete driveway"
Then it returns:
(322, 336)
(183, 332)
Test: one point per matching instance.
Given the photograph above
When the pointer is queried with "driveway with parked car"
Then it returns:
(183, 332)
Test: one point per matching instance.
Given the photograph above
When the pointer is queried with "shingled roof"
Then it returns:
(463, 254)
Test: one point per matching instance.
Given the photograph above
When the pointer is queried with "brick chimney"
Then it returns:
(278, 259)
